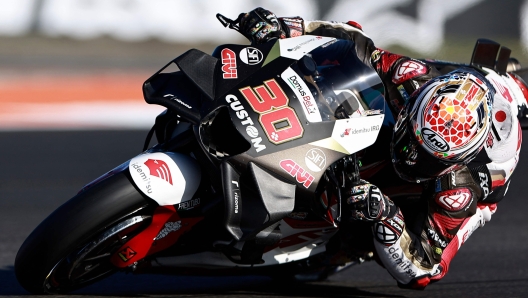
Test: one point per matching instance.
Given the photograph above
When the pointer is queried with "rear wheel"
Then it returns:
(71, 248)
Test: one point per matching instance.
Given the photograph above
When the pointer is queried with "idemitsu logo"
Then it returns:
(159, 168)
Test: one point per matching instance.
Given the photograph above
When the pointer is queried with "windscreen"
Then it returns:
(344, 89)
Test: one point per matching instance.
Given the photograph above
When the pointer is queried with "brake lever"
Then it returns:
(228, 23)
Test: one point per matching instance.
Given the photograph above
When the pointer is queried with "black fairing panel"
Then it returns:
(175, 92)
(243, 69)
(200, 68)
(255, 201)
(184, 90)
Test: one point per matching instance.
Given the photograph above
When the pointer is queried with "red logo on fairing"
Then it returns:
(159, 168)
(300, 174)
(229, 66)
(454, 200)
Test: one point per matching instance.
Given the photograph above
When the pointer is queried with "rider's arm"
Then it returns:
(428, 239)
(401, 75)
(349, 31)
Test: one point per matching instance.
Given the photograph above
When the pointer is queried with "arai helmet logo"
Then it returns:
(315, 160)
(251, 56)
(434, 141)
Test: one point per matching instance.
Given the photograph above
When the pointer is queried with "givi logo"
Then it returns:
(159, 168)
(295, 170)
(229, 66)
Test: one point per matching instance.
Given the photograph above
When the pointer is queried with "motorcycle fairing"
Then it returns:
(256, 98)
(261, 128)
(239, 64)
(182, 91)
(303, 95)
(258, 128)
(168, 178)
(351, 135)
(291, 48)
(300, 239)
(256, 202)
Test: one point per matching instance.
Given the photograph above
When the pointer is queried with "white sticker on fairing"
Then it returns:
(303, 94)
(297, 47)
(354, 134)
(251, 56)
(167, 178)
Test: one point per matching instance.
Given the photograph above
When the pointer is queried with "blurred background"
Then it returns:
(71, 105)
(80, 64)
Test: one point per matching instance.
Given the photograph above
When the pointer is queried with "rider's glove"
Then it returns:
(367, 203)
(260, 25)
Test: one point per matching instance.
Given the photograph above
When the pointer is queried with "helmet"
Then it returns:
(521, 84)
(443, 126)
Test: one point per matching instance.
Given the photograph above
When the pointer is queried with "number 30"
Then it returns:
(279, 121)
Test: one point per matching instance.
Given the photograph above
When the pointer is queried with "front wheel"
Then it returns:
(71, 248)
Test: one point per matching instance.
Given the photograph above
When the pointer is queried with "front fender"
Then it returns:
(166, 177)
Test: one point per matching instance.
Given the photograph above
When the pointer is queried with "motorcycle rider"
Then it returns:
(444, 120)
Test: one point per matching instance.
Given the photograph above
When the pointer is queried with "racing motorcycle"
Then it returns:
(254, 149)
(245, 177)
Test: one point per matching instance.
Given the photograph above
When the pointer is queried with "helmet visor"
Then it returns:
(412, 162)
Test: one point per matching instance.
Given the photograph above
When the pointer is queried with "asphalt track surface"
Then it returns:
(41, 170)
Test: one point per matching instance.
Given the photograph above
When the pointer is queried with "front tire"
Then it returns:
(48, 260)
